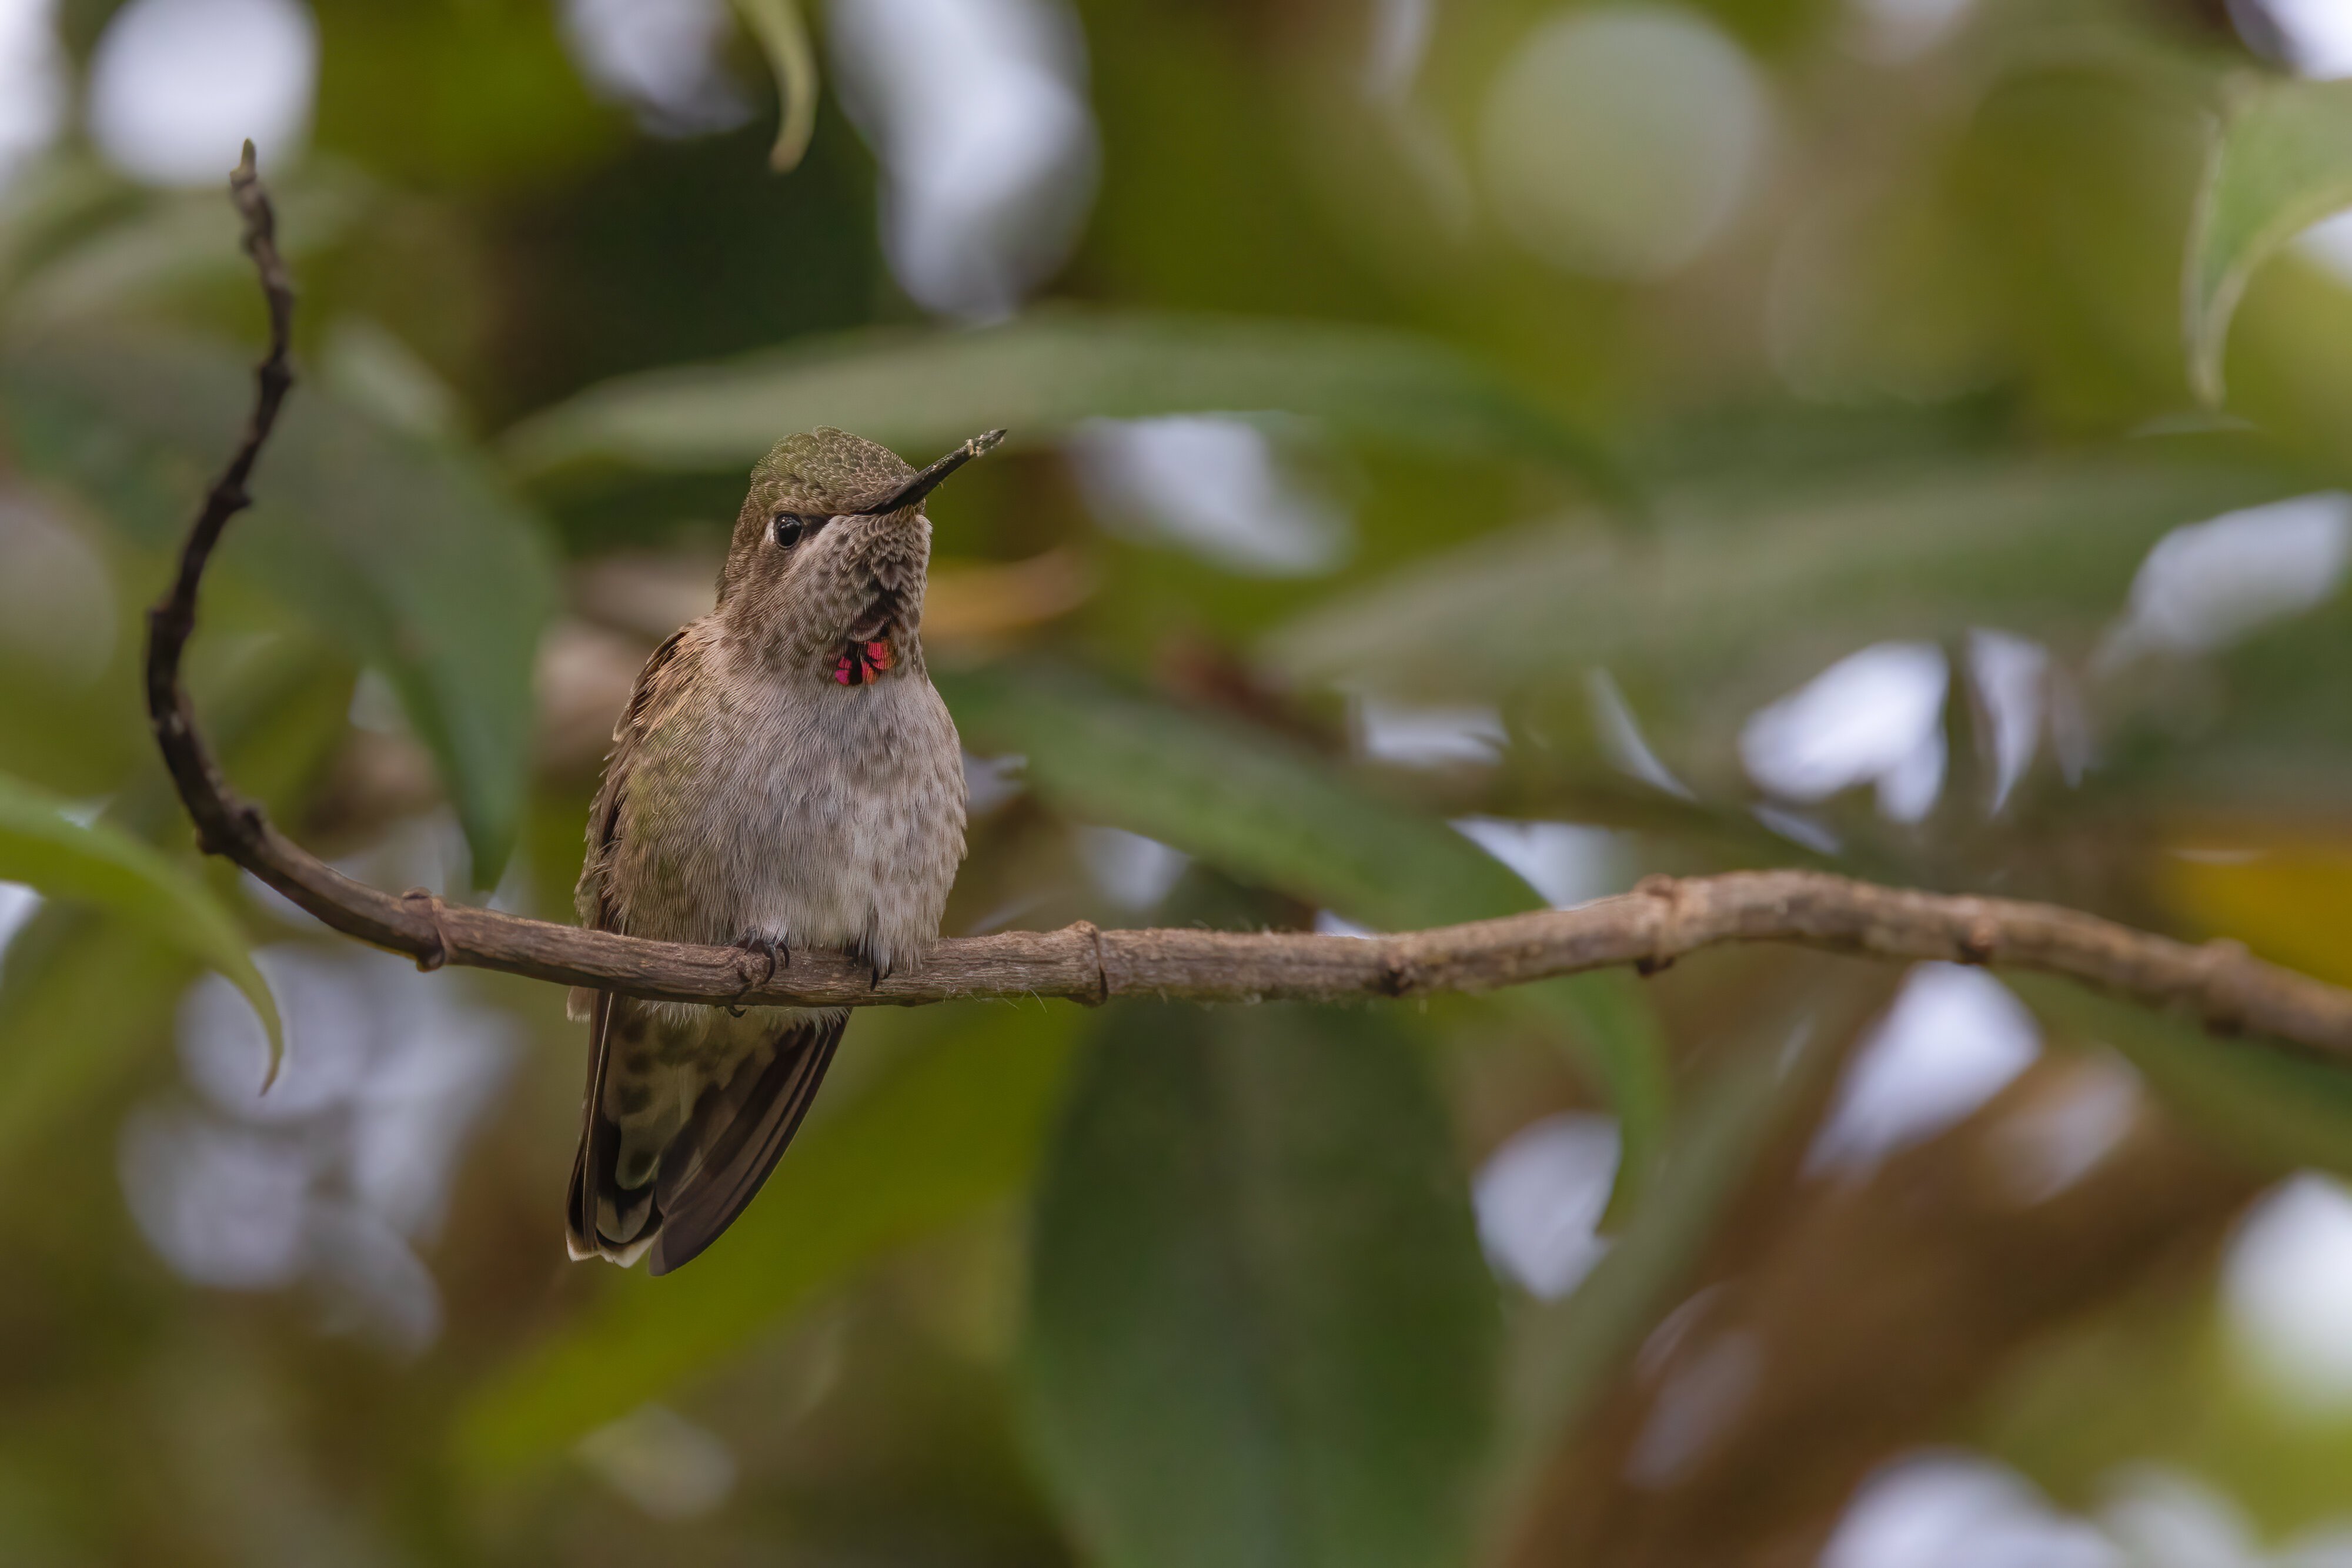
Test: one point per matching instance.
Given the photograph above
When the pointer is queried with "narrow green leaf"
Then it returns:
(1265, 811)
(81, 242)
(948, 1132)
(43, 846)
(784, 39)
(2028, 545)
(85, 997)
(2281, 162)
(95, 1014)
(404, 550)
(1257, 807)
(1260, 1331)
(1039, 376)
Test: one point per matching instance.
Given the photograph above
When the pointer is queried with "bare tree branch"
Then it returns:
(1666, 918)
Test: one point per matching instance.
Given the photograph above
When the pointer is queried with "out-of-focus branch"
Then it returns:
(1840, 1323)
(1657, 924)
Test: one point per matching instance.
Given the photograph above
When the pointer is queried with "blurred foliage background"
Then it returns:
(1466, 455)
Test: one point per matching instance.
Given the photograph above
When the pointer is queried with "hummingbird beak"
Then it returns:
(924, 483)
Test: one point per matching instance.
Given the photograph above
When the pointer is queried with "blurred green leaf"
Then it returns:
(1563, 1353)
(1258, 807)
(2269, 1106)
(1260, 1330)
(1267, 811)
(943, 1136)
(784, 39)
(1616, 1035)
(449, 95)
(1039, 376)
(96, 1011)
(403, 549)
(42, 845)
(2281, 162)
(85, 997)
(1729, 600)
(83, 242)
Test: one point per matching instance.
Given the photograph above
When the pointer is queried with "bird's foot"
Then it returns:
(779, 954)
(862, 951)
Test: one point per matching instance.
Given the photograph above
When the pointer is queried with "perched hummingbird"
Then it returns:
(783, 777)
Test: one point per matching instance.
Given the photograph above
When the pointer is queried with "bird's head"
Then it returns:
(825, 573)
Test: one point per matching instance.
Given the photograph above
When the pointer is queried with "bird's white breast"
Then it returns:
(832, 819)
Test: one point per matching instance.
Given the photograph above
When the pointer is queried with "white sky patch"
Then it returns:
(1400, 31)
(1213, 483)
(993, 781)
(1419, 736)
(2206, 585)
(2329, 244)
(1893, 31)
(665, 59)
(18, 903)
(2318, 34)
(666, 1465)
(177, 86)
(2286, 1283)
(1944, 1509)
(1955, 1038)
(223, 1205)
(1131, 870)
(1539, 1198)
(1874, 717)
(1329, 925)
(2008, 672)
(978, 111)
(2167, 1520)
(1565, 862)
(33, 81)
(1621, 140)
(333, 1177)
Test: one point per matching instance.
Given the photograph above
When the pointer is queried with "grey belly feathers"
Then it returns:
(752, 809)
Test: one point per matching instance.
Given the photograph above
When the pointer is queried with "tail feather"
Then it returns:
(738, 1131)
(600, 1143)
(715, 1163)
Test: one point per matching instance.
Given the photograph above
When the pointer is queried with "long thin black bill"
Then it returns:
(924, 483)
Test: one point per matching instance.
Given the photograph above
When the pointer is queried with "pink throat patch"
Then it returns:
(862, 663)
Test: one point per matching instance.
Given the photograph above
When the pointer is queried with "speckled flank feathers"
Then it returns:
(752, 797)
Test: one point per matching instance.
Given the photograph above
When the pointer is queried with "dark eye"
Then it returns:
(789, 528)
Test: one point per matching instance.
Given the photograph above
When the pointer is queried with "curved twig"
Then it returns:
(2220, 982)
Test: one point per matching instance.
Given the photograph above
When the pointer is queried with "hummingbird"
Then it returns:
(785, 776)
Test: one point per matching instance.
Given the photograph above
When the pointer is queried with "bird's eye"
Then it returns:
(788, 528)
